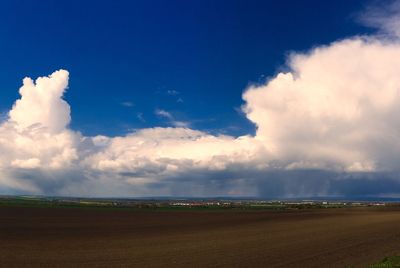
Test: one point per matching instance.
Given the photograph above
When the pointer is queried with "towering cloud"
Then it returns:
(41, 103)
(337, 109)
(35, 137)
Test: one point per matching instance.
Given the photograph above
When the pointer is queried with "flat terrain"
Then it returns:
(75, 237)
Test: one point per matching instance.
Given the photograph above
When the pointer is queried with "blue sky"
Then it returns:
(134, 52)
(272, 99)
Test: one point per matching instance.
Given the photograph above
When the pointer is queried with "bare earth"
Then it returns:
(67, 237)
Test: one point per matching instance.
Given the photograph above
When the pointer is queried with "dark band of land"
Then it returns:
(73, 237)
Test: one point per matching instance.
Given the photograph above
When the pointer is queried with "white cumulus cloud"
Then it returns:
(337, 108)
(41, 103)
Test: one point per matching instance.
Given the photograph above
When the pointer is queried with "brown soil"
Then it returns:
(61, 237)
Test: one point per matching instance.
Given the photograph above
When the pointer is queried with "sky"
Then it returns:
(272, 99)
(184, 57)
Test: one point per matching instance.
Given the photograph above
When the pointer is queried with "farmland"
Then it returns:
(40, 236)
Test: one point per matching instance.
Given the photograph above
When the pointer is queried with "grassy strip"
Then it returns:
(388, 262)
